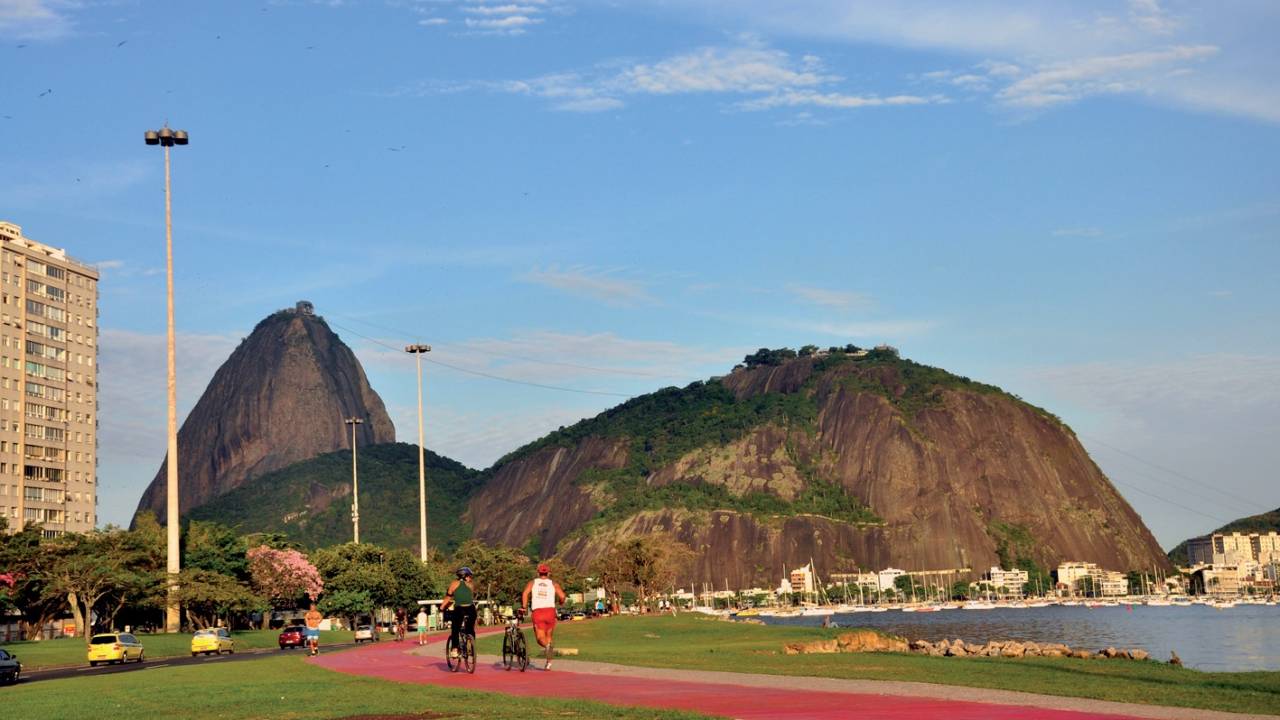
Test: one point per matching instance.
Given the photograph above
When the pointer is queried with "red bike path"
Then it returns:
(397, 662)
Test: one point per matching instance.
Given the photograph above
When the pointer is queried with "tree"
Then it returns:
(139, 555)
(283, 576)
(500, 572)
(357, 579)
(216, 548)
(83, 569)
(647, 563)
(208, 595)
(413, 579)
(21, 555)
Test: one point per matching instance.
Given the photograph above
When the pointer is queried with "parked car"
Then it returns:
(363, 633)
(114, 647)
(292, 636)
(579, 615)
(10, 668)
(213, 641)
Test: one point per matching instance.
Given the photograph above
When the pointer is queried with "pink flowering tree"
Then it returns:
(283, 576)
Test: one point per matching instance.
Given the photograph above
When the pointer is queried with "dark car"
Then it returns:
(293, 636)
(10, 668)
(565, 615)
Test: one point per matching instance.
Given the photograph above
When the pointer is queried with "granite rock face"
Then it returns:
(957, 473)
(280, 398)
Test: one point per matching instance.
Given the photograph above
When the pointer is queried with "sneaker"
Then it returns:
(548, 665)
(453, 653)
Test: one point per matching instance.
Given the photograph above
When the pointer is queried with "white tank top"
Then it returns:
(544, 594)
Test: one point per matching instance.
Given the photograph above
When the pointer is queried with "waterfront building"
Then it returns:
(1234, 549)
(1008, 580)
(1113, 583)
(1069, 573)
(48, 386)
(885, 578)
(802, 580)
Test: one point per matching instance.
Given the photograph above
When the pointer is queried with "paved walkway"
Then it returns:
(736, 695)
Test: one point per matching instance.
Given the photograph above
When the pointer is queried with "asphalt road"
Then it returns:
(30, 676)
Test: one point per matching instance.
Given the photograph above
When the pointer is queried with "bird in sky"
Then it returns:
(46, 92)
(121, 43)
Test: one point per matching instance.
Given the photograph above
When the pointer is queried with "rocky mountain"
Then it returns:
(278, 399)
(855, 459)
(1262, 522)
(310, 501)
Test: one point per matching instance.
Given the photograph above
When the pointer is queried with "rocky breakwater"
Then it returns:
(871, 641)
(1018, 649)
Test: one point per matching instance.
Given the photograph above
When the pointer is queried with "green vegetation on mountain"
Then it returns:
(1260, 523)
(663, 426)
(310, 502)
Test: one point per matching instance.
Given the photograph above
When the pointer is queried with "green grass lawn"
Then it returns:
(277, 687)
(71, 651)
(699, 643)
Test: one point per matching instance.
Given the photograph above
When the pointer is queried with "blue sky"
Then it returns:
(1077, 202)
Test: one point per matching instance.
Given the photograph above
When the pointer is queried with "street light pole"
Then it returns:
(416, 351)
(172, 616)
(355, 479)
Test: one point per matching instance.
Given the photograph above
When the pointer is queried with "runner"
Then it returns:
(313, 618)
(546, 595)
(462, 596)
(422, 626)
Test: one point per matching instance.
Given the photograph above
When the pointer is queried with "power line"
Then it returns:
(1171, 502)
(482, 374)
(1245, 503)
(575, 366)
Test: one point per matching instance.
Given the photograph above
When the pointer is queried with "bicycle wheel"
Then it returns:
(521, 651)
(508, 650)
(469, 653)
(454, 663)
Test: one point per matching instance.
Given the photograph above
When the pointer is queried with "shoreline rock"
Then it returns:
(871, 641)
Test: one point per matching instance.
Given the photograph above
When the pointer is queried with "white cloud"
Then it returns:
(511, 24)
(1209, 417)
(433, 21)
(798, 98)
(766, 77)
(109, 264)
(587, 282)
(133, 401)
(723, 70)
(34, 19)
(1072, 80)
(1045, 36)
(72, 182)
(842, 299)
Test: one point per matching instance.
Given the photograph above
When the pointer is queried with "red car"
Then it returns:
(293, 636)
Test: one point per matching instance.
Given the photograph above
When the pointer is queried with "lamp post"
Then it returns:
(416, 351)
(355, 479)
(167, 138)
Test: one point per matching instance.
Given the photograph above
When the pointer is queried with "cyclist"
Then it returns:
(402, 623)
(462, 596)
(546, 594)
(313, 618)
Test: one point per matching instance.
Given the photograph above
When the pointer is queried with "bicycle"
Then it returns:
(466, 653)
(514, 650)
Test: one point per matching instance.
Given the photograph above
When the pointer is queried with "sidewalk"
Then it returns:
(738, 695)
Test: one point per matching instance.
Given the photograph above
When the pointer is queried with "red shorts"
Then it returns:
(544, 619)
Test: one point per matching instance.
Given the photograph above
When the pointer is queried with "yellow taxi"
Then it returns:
(213, 641)
(114, 647)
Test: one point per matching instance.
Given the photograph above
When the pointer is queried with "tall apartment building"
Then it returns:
(48, 386)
